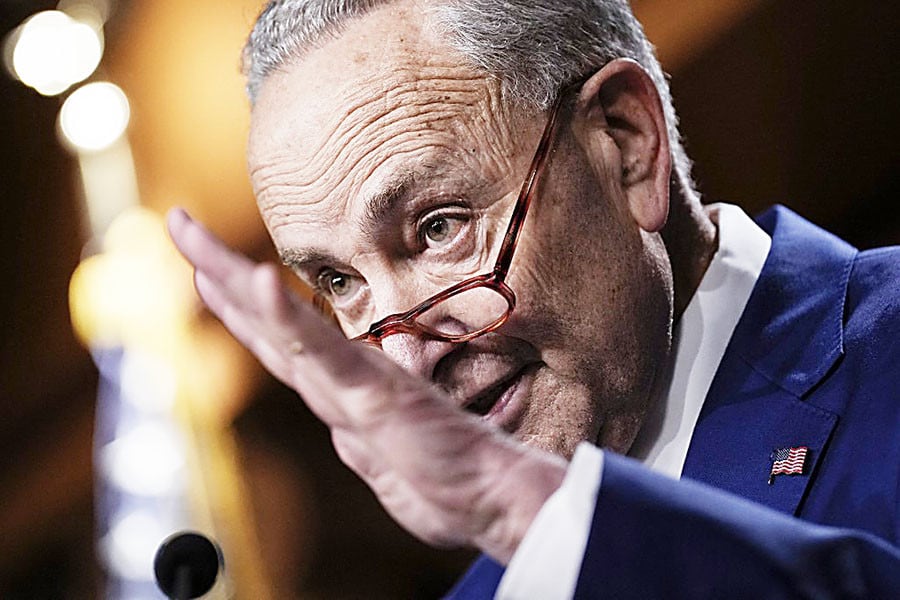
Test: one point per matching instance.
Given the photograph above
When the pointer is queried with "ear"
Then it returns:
(619, 120)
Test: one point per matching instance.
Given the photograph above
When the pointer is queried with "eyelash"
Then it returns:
(451, 213)
(322, 289)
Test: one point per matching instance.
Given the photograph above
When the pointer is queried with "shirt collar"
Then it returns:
(700, 338)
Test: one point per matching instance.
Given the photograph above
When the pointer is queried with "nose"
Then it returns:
(416, 353)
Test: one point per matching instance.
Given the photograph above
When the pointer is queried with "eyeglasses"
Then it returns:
(482, 303)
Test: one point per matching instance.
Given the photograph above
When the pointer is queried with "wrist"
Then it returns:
(518, 481)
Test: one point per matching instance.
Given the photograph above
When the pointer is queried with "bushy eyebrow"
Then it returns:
(378, 207)
(300, 259)
(386, 201)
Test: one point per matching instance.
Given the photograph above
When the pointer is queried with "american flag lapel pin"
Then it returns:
(787, 461)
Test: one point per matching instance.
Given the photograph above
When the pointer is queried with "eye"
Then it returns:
(439, 230)
(336, 285)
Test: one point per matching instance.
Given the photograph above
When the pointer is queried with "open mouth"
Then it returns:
(482, 403)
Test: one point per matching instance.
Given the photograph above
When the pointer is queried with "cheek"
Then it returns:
(566, 270)
(594, 301)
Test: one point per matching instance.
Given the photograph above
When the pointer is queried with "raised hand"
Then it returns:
(443, 474)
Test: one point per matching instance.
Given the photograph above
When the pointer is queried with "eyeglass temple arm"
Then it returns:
(525, 195)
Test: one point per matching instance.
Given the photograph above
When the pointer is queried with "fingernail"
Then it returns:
(177, 215)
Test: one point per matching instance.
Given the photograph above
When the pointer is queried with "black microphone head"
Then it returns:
(186, 565)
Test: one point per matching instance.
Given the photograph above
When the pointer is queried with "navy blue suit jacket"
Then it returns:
(814, 361)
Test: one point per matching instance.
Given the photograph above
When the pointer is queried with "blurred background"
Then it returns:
(126, 412)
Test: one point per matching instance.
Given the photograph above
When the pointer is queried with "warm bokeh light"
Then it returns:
(110, 185)
(137, 292)
(53, 51)
(92, 12)
(9, 47)
(179, 63)
(94, 116)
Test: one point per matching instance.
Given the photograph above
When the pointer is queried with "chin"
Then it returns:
(561, 443)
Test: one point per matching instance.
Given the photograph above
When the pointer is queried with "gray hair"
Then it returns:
(534, 47)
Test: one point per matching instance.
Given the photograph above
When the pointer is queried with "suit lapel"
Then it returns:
(787, 340)
(479, 581)
(734, 439)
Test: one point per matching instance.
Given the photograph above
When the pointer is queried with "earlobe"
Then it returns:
(621, 105)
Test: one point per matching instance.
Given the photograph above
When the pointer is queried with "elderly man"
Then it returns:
(496, 325)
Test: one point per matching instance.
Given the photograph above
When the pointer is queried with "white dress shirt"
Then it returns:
(548, 560)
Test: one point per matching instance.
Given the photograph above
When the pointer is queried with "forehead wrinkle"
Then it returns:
(282, 197)
(361, 66)
(372, 206)
(395, 90)
(378, 98)
(427, 152)
(440, 145)
(293, 181)
(418, 116)
(285, 215)
(380, 102)
(441, 119)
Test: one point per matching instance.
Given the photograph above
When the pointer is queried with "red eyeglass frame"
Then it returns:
(405, 322)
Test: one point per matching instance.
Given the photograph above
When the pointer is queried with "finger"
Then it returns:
(264, 318)
(244, 327)
(292, 319)
(207, 253)
(306, 343)
(223, 278)
(235, 276)
(354, 453)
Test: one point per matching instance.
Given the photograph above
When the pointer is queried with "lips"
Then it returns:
(502, 403)
(483, 377)
(482, 402)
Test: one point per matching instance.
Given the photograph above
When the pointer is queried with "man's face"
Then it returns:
(386, 170)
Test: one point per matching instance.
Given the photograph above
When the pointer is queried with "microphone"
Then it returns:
(186, 565)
